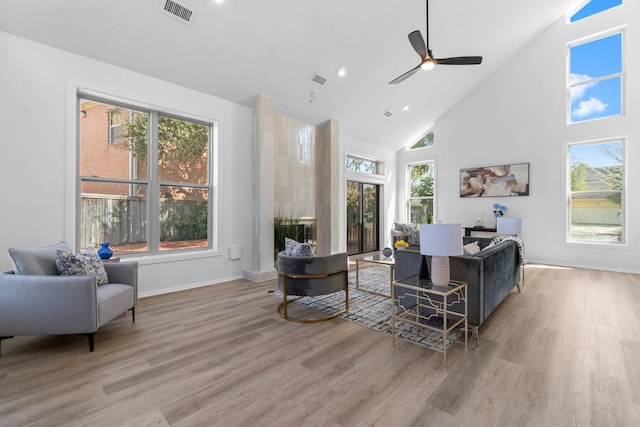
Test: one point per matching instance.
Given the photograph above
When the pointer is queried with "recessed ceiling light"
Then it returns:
(218, 1)
(341, 72)
(405, 107)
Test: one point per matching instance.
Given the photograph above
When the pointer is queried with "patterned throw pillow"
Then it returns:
(87, 263)
(297, 249)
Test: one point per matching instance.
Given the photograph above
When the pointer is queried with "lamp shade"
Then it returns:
(509, 225)
(441, 239)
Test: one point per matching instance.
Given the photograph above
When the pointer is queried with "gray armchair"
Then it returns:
(48, 304)
(312, 276)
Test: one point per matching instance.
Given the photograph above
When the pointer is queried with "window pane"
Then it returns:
(183, 151)
(421, 193)
(114, 213)
(183, 218)
(597, 58)
(597, 188)
(595, 79)
(362, 165)
(604, 99)
(113, 141)
(593, 7)
(426, 141)
(421, 211)
(421, 180)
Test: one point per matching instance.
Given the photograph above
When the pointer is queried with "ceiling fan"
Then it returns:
(428, 61)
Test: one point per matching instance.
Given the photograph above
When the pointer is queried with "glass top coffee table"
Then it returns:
(380, 260)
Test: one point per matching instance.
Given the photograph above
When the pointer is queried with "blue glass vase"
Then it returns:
(105, 251)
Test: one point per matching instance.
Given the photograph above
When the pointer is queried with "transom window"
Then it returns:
(426, 141)
(595, 78)
(420, 201)
(358, 164)
(145, 179)
(596, 180)
(593, 7)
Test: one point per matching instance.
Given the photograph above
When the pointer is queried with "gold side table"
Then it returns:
(422, 301)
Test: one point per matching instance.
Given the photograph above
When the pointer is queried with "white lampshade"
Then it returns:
(509, 225)
(441, 239)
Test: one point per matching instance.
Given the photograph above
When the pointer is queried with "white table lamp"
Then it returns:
(440, 241)
(509, 225)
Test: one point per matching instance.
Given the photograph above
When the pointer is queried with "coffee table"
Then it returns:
(380, 260)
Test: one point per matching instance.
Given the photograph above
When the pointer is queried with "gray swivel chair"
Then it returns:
(312, 276)
(38, 301)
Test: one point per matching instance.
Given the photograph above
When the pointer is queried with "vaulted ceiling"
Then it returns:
(237, 49)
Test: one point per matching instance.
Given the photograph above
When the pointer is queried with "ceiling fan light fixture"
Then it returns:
(427, 64)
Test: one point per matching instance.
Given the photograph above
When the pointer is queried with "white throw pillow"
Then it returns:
(471, 248)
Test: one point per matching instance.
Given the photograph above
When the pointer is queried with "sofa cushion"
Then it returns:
(471, 248)
(41, 261)
(83, 264)
(297, 249)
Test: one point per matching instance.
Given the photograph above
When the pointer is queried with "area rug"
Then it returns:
(374, 311)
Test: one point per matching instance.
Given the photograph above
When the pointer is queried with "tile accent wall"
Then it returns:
(295, 167)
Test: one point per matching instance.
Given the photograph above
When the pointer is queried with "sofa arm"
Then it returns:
(33, 304)
(125, 273)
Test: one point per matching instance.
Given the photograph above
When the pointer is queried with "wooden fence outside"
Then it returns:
(124, 220)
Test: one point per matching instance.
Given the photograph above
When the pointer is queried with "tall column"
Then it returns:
(329, 174)
(263, 159)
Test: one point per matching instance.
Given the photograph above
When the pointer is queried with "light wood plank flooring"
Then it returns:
(565, 351)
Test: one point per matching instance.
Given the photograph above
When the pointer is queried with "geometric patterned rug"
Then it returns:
(374, 311)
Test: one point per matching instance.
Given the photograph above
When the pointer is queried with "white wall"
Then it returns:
(38, 87)
(518, 116)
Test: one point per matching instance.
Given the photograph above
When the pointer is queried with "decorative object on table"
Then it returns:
(387, 252)
(105, 251)
(440, 241)
(401, 244)
(498, 210)
(495, 181)
(510, 226)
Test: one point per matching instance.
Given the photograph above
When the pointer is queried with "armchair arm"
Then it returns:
(125, 273)
(34, 304)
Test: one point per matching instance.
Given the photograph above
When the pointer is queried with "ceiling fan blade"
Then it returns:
(416, 40)
(405, 75)
(460, 60)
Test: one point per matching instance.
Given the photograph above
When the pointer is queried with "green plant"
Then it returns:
(285, 225)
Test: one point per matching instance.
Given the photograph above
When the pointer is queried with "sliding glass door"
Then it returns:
(362, 217)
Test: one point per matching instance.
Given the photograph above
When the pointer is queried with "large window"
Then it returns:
(596, 179)
(145, 179)
(595, 78)
(420, 202)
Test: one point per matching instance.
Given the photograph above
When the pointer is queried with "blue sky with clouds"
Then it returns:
(601, 58)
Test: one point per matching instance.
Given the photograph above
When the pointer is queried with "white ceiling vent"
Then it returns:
(387, 113)
(318, 79)
(179, 11)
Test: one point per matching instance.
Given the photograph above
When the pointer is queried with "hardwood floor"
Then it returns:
(565, 351)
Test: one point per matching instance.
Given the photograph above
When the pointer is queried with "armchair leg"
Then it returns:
(91, 337)
(133, 314)
(3, 338)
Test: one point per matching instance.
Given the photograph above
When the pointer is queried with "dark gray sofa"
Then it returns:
(490, 274)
